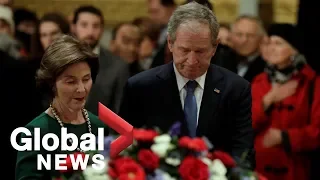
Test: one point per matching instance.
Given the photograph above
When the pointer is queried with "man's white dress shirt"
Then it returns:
(182, 81)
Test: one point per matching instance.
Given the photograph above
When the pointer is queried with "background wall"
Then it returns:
(116, 11)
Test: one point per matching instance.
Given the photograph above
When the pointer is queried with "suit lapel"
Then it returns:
(214, 85)
(171, 93)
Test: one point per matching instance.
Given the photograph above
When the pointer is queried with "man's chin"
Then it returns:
(91, 44)
(190, 75)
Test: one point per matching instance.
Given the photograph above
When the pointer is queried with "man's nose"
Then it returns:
(91, 30)
(193, 58)
(243, 38)
(132, 47)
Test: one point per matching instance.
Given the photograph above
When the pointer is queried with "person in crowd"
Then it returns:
(159, 12)
(208, 100)
(8, 43)
(6, 20)
(88, 25)
(244, 59)
(18, 101)
(125, 43)
(68, 70)
(148, 45)
(51, 25)
(246, 35)
(286, 108)
(264, 47)
(224, 34)
(18, 85)
(7, 3)
(25, 22)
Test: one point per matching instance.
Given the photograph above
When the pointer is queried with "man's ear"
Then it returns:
(170, 43)
(215, 46)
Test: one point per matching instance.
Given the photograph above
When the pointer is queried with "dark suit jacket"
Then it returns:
(19, 101)
(227, 58)
(111, 79)
(159, 58)
(152, 99)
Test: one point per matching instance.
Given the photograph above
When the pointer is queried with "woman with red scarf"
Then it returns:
(285, 108)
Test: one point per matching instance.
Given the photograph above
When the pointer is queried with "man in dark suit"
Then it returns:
(209, 100)
(244, 57)
(113, 71)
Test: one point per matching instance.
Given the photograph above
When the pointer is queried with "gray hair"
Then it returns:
(252, 18)
(193, 11)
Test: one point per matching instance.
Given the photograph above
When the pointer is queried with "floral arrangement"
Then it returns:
(165, 156)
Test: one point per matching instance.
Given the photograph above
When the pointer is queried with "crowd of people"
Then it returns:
(281, 97)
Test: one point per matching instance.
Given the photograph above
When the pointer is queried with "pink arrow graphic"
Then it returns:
(120, 126)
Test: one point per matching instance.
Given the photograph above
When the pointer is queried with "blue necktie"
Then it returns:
(190, 108)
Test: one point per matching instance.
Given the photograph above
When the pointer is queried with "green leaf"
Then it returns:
(158, 130)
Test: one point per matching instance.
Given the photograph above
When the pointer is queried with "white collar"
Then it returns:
(182, 81)
(253, 57)
(96, 50)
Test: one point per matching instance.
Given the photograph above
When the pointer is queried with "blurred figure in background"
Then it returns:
(150, 35)
(8, 43)
(25, 22)
(7, 3)
(6, 21)
(286, 108)
(246, 35)
(244, 58)
(88, 26)
(125, 43)
(224, 34)
(51, 26)
(18, 87)
(264, 47)
(159, 12)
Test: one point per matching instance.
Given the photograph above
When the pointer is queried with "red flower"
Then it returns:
(261, 177)
(148, 159)
(112, 173)
(144, 135)
(120, 161)
(225, 158)
(195, 144)
(58, 178)
(198, 145)
(131, 171)
(192, 168)
(126, 168)
(69, 163)
(184, 141)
